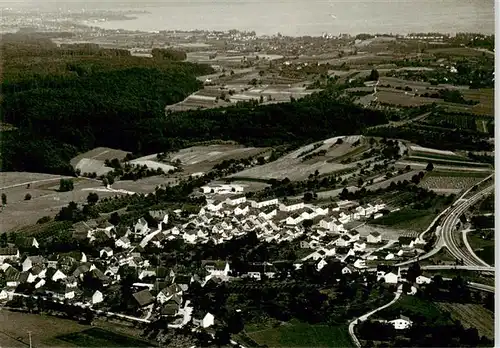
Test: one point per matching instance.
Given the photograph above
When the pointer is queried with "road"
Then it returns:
(367, 315)
(447, 231)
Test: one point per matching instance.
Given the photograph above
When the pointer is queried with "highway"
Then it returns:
(448, 234)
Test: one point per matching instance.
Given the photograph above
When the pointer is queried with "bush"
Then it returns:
(27, 197)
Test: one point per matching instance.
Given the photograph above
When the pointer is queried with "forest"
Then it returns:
(64, 101)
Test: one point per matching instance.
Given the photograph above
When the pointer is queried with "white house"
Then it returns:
(4, 295)
(374, 238)
(241, 211)
(359, 246)
(123, 242)
(40, 283)
(106, 252)
(423, 280)
(141, 227)
(349, 270)
(391, 278)
(360, 263)
(216, 268)
(264, 203)
(389, 256)
(322, 263)
(31, 261)
(292, 207)
(97, 297)
(207, 321)
(235, 200)
(401, 323)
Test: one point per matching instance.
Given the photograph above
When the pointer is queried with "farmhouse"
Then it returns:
(259, 205)
(401, 323)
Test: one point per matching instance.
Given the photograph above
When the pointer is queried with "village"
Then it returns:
(88, 281)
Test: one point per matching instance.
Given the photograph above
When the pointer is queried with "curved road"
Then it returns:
(447, 231)
(365, 316)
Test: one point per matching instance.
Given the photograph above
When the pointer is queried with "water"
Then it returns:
(315, 17)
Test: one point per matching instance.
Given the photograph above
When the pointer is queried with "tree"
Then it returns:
(430, 167)
(114, 219)
(4, 199)
(3, 240)
(308, 196)
(92, 198)
(374, 75)
(27, 197)
(66, 185)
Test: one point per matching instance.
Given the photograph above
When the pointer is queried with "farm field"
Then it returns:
(471, 315)
(303, 335)
(441, 167)
(45, 200)
(295, 166)
(198, 159)
(93, 160)
(15, 179)
(95, 337)
(439, 181)
(450, 162)
(47, 331)
(486, 99)
(455, 51)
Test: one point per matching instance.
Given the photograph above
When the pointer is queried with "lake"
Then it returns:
(315, 17)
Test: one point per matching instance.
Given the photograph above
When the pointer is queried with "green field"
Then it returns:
(101, 338)
(296, 334)
(407, 218)
(483, 248)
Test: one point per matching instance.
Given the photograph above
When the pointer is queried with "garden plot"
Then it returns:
(471, 316)
(293, 167)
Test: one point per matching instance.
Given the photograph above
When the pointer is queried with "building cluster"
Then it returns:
(89, 281)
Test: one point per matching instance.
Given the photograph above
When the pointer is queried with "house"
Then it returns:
(8, 254)
(292, 207)
(206, 321)
(240, 210)
(141, 227)
(423, 280)
(391, 278)
(349, 270)
(12, 277)
(359, 246)
(216, 268)
(374, 238)
(237, 199)
(143, 298)
(106, 252)
(343, 241)
(401, 323)
(360, 263)
(354, 235)
(58, 275)
(4, 296)
(406, 242)
(159, 215)
(389, 256)
(322, 263)
(123, 243)
(31, 261)
(263, 204)
(97, 297)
